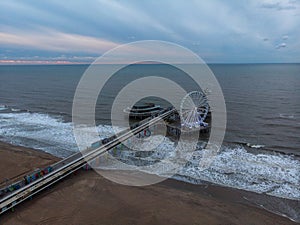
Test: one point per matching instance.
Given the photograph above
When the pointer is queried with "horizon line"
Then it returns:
(62, 63)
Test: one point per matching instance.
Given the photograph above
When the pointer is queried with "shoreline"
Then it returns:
(17, 160)
(96, 198)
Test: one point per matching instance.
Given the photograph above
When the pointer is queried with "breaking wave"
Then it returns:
(274, 174)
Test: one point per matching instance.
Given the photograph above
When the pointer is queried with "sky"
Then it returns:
(219, 31)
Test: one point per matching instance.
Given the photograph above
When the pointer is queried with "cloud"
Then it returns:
(52, 40)
(280, 5)
(281, 45)
(36, 62)
(226, 31)
(47, 59)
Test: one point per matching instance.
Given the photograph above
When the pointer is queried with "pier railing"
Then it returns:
(67, 166)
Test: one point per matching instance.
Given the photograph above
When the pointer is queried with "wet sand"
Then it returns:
(16, 160)
(87, 198)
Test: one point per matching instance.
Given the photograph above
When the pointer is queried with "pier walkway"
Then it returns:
(60, 170)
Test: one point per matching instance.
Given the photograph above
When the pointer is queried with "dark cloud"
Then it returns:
(49, 29)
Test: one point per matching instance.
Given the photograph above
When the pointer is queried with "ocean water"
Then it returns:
(260, 152)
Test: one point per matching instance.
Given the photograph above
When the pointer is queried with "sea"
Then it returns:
(261, 148)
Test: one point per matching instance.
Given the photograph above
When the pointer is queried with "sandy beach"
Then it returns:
(87, 198)
(17, 160)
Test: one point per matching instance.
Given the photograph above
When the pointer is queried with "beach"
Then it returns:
(17, 160)
(87, 198)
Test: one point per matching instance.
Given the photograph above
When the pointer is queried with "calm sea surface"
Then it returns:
(262, 100)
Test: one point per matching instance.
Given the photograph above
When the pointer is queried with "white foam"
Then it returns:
(3, 107)
(276, 175)
(286, 116)
(41, 131)
(254, 146)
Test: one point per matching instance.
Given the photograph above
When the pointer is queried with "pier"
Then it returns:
(194, 111)
(17, 192)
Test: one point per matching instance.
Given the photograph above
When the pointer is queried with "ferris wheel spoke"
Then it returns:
(190, 102)
(201, 102)
(185, 108)
(192, 118)
(186, 112)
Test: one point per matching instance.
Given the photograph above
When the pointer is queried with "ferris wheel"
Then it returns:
(193, 110)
